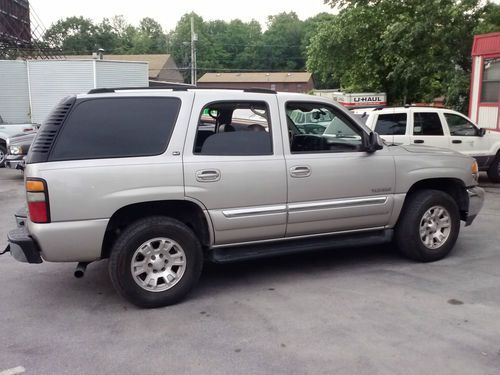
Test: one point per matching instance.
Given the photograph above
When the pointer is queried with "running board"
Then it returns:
(286, 247)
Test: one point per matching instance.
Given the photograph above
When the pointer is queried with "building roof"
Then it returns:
(156, 62)
(273, 77)
(486, 44)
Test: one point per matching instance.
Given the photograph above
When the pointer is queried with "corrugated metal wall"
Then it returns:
(53, 80)
(121, 74)
(488, 117)
(14, 97)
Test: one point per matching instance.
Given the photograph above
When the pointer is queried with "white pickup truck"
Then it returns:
(440, 128)
(8, 130)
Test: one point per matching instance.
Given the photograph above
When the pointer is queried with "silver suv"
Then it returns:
(160, 180)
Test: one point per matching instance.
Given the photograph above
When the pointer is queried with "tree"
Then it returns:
(74, 35)
(149, 38)
(413, 50)
(280, 48)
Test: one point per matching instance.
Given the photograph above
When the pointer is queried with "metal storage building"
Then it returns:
(30, 89)
(484, 104)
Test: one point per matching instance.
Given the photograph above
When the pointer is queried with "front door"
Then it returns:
(464, 137)
(234, 165)
(333, 185)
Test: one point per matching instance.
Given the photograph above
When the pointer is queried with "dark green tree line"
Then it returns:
(413, 50)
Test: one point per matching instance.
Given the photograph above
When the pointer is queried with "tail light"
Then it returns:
(26, 130)
(38, 200)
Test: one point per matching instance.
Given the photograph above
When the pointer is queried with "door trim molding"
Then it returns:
(255, 211)
(337, 203)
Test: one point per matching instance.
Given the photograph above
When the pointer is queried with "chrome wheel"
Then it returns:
(435, 227)
(158, 264)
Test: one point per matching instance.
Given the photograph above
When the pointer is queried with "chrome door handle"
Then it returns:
(208, 175)
(300, 171)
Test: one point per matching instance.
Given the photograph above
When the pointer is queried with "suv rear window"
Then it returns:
(391, 124)
(117, 127)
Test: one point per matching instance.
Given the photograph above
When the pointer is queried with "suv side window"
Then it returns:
(117, 127)
(234, 128)
(460, 126)
(325, 129)
(391, 124)
(427, 123)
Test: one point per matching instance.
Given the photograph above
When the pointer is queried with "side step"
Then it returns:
(293, 246)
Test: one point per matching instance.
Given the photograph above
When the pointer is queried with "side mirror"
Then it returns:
(374, 143)
(482, 132)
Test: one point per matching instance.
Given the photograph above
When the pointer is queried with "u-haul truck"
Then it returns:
(355, 100)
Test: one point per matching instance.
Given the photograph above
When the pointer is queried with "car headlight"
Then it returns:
(15, 150)
(475, 171)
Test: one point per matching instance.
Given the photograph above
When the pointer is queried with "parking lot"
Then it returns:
(352, 311)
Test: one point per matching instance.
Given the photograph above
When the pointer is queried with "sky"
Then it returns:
(168, 12)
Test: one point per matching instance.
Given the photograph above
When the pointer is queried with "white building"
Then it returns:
(30, 89)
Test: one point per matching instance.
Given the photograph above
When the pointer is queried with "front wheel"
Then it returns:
(428, 226)
(155, 262)
(494, 170)
(3, 155)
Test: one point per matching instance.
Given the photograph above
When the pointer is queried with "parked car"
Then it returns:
(189, 184)
(18, 147)
(441, 128)
(8, 130)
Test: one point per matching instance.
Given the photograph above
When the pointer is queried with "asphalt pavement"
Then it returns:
(351, 311)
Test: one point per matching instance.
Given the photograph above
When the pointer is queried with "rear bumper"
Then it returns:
(22, 247)
(476, 201)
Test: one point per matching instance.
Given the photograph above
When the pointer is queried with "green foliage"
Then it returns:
(78, 35)
(73, 35)
(414, 50)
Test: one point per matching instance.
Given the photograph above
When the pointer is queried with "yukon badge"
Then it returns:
(382, 190)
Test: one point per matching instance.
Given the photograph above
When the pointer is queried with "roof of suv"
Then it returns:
(135, 91)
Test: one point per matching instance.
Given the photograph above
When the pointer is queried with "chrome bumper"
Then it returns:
(476, 201)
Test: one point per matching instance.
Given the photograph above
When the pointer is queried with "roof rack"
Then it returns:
(181, 87)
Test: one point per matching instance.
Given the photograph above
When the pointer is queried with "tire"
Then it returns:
(494, 170)
(168, 253)
(423, 218)
(3, 155)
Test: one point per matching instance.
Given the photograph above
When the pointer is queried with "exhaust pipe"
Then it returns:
(80, 269)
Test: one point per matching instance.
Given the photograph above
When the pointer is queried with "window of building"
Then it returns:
(490, 92)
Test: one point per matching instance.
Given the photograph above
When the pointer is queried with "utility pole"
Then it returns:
(194, 39)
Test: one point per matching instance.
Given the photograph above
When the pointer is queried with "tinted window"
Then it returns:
(391, 124)
(117, 127)
(234, 128)
(427, 123)
(459, 125)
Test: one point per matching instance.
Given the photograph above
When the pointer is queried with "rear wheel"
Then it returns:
(3, 155)
(155, 262)
(494, 170)
(429, 225)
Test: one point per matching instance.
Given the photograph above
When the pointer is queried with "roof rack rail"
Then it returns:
(181, 87)
(260, 90)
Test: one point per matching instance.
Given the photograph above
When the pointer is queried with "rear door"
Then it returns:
(393, 126)
(428, 129)
(238, 172)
